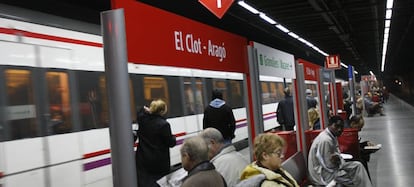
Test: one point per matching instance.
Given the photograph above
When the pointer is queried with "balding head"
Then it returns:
(214, 140)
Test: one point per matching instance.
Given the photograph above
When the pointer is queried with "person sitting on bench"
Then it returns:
(326, 167)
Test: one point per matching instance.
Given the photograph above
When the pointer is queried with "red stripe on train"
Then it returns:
(106, 151)
(47, 37)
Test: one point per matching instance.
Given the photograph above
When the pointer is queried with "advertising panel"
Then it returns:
(275, 63)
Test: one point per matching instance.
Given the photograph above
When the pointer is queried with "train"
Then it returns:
(54, 105)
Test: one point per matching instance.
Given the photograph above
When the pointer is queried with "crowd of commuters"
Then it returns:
(209, 158)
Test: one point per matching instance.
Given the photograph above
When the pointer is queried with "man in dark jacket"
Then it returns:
(284, 113)
(220, 116)
(194, 158)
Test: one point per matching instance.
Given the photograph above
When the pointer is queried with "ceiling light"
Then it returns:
(266, 18)
(387, 23)
(386, 30)
(248, 7)
(390, 3)
(344, 65)
(388, 14)
(282, 28)
(293, 35)
(370, 72)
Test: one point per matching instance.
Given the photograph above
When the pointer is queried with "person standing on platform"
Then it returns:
(326, 167)
(219, 115)
(285, 113)
(310, 100)
(155, 139)
(194, 159)
(228, 162)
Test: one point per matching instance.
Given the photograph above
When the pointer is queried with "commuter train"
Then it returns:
(54, 105)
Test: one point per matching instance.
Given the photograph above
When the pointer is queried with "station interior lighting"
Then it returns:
(283, 28)
(387, 25)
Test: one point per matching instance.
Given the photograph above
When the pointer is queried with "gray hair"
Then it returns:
(196, 148)
(212, 134)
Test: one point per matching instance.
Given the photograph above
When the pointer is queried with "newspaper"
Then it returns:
(173, 179)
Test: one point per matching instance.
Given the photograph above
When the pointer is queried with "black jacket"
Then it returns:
(285, 113)
(220, 116)
(155, 140)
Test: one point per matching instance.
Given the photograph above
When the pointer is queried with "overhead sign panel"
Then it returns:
(158, 37)
(275, 63)
(217, 7)
(310, 70)
(332, 62)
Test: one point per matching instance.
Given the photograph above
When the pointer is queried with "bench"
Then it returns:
(296, 166)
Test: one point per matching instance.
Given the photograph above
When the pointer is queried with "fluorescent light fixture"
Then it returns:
(266, 18)
(387, 23)
(370, 72)
(388, 14)
(390, 3)
(282, 28)
(384, 50)
(248, 7)
(386, 36)
(356, 72)
(293, 35)
(344, 65)
(386, 30)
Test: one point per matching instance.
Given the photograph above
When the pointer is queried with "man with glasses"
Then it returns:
(325, 165)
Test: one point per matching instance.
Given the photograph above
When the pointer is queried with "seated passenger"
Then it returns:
(267, 171)
(194, 158)
(358, 123)
(228, 162)
(372, 107)
(327, 167)
(313, 118)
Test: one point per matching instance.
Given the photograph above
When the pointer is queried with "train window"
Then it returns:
(93, 105)
(59, 102)
(265, 93)
(279, 91)
(199, 96)
(237, 100)
(222, 86)
(193, 96)
(21, 110)
(189, 106)
(156, 88)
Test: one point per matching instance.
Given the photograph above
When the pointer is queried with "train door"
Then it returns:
(62, 148)
(22, 153)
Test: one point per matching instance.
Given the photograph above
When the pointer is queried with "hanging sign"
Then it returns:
(217, 7)
(332, 62)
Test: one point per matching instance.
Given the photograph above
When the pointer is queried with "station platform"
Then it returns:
(393, 164)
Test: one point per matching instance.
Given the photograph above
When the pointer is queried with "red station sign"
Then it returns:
(158, 37)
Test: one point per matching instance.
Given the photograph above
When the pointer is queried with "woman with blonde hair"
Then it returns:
(313, 118)
(268, 151)
(155, 139)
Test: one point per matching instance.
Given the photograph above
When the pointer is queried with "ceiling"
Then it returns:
(351, 28)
